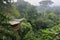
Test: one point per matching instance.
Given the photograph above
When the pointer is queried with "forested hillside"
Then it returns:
(40, 23)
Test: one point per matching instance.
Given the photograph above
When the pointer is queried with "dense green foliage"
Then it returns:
(36, 26)
(6, 11)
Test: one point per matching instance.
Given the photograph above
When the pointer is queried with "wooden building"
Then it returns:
(15, 23)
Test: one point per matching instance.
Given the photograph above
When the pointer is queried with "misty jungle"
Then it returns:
(23, 21)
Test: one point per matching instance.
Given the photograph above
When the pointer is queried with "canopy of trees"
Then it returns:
(36, 26)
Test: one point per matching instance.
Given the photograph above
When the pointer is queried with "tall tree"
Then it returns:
(45, 4)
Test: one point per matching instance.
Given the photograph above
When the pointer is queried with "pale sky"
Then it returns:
(36, 2)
